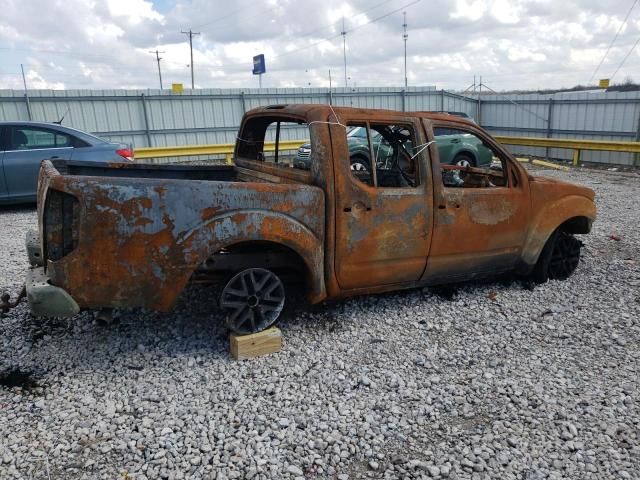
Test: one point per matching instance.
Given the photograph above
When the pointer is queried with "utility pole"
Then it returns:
(331, 88)
(405, 36)
(344, 51)
(26, 92)
(158, 58)
(191, 34)
(479, 103)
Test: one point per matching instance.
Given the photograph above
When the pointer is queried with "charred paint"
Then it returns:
(491, 213)
(140, 239)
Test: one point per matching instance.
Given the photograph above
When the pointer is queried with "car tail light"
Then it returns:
(126, 153)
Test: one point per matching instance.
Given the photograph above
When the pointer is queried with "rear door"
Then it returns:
(27, 146)
(383, 219)
(3, 184)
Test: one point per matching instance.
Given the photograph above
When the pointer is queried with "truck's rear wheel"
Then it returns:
(252, 300)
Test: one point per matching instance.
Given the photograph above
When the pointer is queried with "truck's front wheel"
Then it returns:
(559, 258)
(252, 300)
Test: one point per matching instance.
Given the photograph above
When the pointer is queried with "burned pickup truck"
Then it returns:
(135, 235)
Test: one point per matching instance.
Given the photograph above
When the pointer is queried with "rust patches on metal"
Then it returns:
(139, 239)
(209, 212)
(491, 212)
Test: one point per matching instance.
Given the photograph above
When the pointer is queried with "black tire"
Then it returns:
(252, 300)
(464, 159)
(559, 258)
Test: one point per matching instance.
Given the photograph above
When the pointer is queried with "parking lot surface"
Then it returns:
(482, 381)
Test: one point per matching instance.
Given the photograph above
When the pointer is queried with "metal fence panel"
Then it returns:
(160, 118)
(584, 115)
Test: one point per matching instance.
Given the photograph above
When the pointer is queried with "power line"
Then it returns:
(96, 58)
(224, 17)
(514, 102)
(191, 34)
(612, 42)
(353, 29)
(60, 52)
(158, 58)
(326, 39)
(625, 59)
(310, 33)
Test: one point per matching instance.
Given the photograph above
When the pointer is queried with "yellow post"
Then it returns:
(576, 157)
(228, 159)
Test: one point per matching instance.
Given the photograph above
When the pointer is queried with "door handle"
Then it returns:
(357, 207)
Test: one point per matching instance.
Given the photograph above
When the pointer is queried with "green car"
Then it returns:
(462, 149)
(454, 148)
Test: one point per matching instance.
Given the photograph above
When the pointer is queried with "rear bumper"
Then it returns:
(46, 300)
(32, 242)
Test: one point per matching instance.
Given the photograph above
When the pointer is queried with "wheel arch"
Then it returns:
(295, 261)
(359, 156)
(469, 153)
(261, 229)
(572, 214)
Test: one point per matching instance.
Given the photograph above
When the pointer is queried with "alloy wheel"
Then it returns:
(253, 300)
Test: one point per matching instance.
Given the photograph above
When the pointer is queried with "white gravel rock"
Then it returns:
(495, 382)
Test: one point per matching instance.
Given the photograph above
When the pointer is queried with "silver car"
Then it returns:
(23, 145)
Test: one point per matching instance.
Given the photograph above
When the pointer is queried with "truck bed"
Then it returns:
(224, 173)
(133, 235)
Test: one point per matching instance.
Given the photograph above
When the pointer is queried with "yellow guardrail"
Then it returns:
(576, 145)
(225, 149)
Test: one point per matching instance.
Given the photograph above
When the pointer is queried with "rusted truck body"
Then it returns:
(136, 235)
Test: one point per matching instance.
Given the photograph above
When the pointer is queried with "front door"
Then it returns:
(482, 213)
(27, 147)
(384, 210)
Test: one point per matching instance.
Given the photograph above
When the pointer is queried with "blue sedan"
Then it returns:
(23, 145)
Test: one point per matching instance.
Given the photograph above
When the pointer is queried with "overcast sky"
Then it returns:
(91, 44)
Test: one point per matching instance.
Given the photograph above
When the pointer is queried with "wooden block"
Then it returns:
(257, 344)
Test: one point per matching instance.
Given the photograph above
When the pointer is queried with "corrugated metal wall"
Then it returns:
(583, 115)
(159, 118)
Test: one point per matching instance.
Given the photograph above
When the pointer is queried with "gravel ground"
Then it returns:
(489, 381)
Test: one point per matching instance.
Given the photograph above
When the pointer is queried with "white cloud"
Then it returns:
(34, 80)
(512, 43)
(104, 32)
(506, 11)
(337, 14)
(135, 11)
(472, 10)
